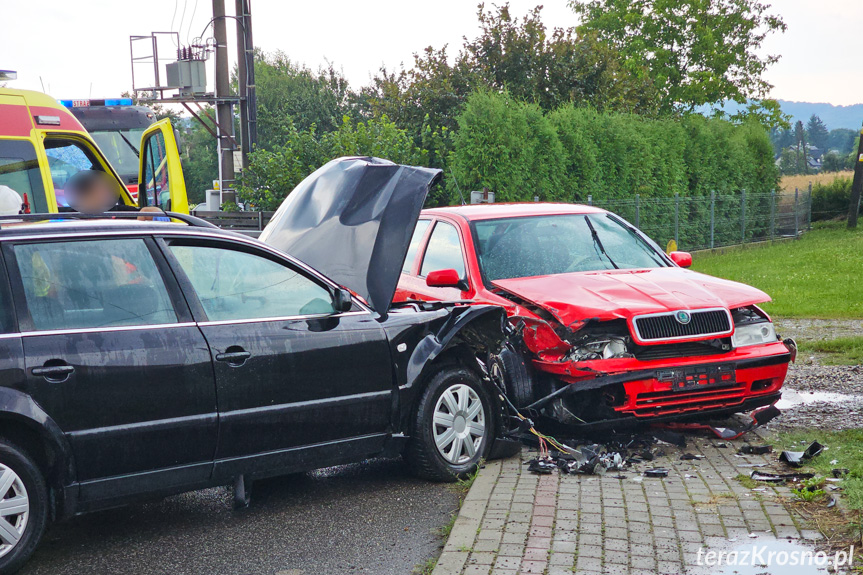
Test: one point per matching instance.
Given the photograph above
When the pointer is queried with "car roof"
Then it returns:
(10, 229)
(513, 210)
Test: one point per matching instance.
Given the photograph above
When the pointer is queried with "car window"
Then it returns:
(92, 284)
(235, 285)
(416, 240)
(443, 251)
(121, 149)
(65, 159)
(19, 170)
(156, 183)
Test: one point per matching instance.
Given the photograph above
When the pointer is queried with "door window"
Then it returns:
(65, 159)
(19, 170)
(156, 182)
(92, 284)
(416, 240)
(443, 251)
(235, 285)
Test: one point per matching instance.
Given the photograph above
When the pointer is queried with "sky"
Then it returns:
(71, 52)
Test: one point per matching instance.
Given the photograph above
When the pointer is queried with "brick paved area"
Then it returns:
(513, 521)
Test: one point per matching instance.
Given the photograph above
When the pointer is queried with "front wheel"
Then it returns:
(453, 426)
(23, 507)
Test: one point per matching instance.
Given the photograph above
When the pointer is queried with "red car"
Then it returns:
(608, 329)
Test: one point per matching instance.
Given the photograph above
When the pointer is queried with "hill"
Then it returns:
(850, 117)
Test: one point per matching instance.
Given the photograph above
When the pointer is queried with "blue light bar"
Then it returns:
(89, 103)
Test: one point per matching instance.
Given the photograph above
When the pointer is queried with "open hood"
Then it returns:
(620, 294)
(352, 220)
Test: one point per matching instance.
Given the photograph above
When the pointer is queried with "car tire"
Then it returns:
(26, 481)
(517, 378)
(445, 446)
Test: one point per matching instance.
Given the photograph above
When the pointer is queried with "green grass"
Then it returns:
(818, 276)
(846, 447)
(839, 351)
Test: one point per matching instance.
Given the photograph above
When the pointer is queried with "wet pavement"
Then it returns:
(366, 518)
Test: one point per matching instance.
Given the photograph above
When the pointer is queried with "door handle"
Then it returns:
(54, 372)
(235, 358)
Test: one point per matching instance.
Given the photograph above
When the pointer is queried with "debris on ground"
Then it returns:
(780, 477)
(756, 449)
(656, 472)
(840, 472)
(690, 457)
(759, 418)
(797, 458)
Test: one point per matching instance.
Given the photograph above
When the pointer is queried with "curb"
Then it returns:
(452, 559)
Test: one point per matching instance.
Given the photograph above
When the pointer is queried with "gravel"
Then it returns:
(828, 397)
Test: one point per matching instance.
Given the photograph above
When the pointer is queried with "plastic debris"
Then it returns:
(656, 472)
(796, 458)
(691, 457)
(840, 472)
(541, 465)
(832, 502)
(756, 449)
(779, 477)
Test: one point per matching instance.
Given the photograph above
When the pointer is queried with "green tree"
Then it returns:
(841, 140)
(509, 147)
(696, 52)
(817, 132)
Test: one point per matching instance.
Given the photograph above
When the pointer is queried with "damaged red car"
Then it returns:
(607, 329)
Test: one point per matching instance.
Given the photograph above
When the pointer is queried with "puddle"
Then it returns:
(765, 555)
(792, 398)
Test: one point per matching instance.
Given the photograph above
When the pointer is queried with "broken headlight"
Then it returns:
(600, 347)
(753, 334)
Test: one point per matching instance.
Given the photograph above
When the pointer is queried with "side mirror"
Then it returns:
(342, 300)
(446, 278)
(683, 259)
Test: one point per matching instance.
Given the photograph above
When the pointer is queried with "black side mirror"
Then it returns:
(342, 300)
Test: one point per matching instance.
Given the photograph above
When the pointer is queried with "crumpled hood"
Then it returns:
(352, 220)
(577, 297)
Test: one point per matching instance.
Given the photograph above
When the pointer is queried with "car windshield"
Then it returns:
(121, 148)
(558, 244)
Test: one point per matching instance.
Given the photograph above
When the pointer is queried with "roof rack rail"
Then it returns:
(185, 218)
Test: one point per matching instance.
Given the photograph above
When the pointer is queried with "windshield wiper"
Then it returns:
(597, 243)
(134, 149)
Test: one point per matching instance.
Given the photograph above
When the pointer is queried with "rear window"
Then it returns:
(92, 284)
(19, 171)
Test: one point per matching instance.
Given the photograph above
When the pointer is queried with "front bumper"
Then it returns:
(759, 372)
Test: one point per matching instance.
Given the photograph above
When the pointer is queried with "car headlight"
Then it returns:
(753, 334)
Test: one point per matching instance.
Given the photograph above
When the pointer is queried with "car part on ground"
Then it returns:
(798, 458)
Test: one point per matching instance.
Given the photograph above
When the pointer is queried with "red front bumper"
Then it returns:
(759, 373)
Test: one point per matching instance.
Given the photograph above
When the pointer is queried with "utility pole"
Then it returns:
(246, 80)
(224, 115)
(856, 186)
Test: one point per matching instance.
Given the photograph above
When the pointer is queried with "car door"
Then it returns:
(443, 251)
(409, 281)
(160, 178)
(290, 371)
(113, 357)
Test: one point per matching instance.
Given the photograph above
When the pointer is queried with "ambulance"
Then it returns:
(42, 145)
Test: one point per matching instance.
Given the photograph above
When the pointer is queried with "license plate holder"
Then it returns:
(698, 377)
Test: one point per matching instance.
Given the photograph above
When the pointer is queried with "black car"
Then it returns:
(142, 358)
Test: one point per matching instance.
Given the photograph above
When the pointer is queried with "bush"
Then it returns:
(830, 199)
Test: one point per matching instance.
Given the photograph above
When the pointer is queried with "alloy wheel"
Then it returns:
(459, 424)
(14, 509)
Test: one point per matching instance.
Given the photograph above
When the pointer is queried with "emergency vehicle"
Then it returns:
(42, 145)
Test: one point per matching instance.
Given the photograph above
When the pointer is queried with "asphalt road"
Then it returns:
(365, 518)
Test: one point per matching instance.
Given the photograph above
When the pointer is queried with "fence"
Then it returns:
(705, 222)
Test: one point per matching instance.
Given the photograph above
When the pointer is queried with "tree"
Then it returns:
(696, 52)
(817, 132)
(841, 140)
(801, 153)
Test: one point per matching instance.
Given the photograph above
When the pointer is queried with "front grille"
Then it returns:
(672, 350)
(702, 323)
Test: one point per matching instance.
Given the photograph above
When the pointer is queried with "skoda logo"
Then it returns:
(683, 317)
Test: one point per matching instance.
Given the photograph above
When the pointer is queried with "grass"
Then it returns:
(746, 481)
(816, 276)
(838, 351)
(788, 183)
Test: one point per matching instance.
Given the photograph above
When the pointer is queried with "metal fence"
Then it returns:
(705, 222)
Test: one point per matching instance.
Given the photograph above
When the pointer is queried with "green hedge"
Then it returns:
(831, 199)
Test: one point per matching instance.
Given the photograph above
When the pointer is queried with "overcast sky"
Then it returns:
(76, 52)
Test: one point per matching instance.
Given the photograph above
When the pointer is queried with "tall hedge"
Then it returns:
(571, 152)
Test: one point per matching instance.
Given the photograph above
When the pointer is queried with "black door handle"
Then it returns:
(234, 357)
(54, 372)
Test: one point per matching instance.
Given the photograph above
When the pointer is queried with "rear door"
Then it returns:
(290, 372)
(113, 357)
(160, 179)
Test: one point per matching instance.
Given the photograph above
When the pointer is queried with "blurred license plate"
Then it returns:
(698, 377)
